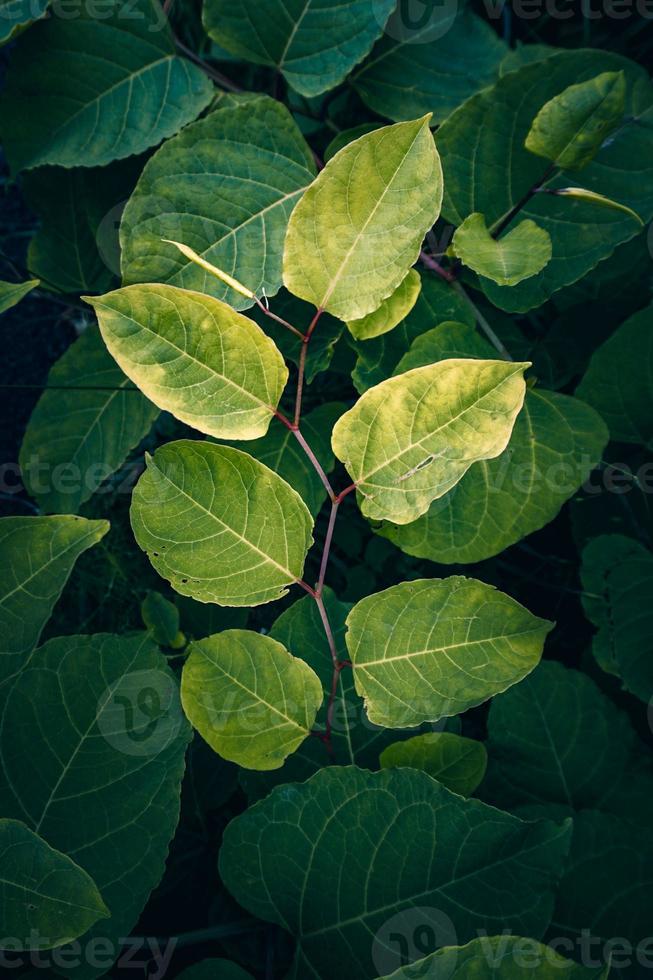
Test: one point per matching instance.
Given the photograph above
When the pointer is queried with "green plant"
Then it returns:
(334, 379)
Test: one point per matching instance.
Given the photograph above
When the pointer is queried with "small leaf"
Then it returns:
(432, 648)
(456, 762)
(251, 700)
(76, 439)
(211, 269)
(520, 253)
(219, 525)
(582, 194)
(11, 293)
(359, 227)
(161, 617)
(571, 128)
(412, 438)
(194, 356)
(46, 899)
(67, 103)
(391, 311)
(38, 554)
(315, 44)
(617, 382)
(407, 844)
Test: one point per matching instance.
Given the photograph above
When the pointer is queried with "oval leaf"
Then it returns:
(219, 525)
(194, 356)
(45, 898)
(519, 254)
(251, 700)
(391, 311)
(458, 763)
(412, 438)
(429, 649)
(359, 227)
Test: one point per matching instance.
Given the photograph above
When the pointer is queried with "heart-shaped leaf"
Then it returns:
(520, 253)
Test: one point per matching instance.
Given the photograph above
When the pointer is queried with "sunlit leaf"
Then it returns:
(520, 253)
(392, 310)
(11, 293)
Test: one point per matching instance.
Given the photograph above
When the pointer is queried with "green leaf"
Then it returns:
(458, 763)
(162, 618)
(498, 958)
(519, 254)
(617, 382)
(501, 118)
(251, 700)
(432, 648)
(556, 739)
(392, 310)
(38, 556)
(101, 781)
(411, 71)
(219, 969)
(591, 197)
(555, 444)
(70, 101)
(314, 44)
(46, 899)
(17, 15)
(412, 438)
(378, 358)
(617, 575)
(347, 136)
(219, 525)
(570, 128)
(359, 226)
(225, 186)
(75, 439)
(194, 356)
(420, 846)
(281, 451)
(11, 293)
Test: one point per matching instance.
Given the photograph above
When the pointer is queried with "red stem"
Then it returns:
(302, 364)
(279, 319)
(431, 263)
(314, 461)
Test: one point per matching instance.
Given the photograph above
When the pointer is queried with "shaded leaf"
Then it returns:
(219, 525)
(225, 186)
(432, 648)
(410, 439)
(17, 15)
(46, 899)
(359, 226)
(251, 700)
(75, 439)
(86, 91)
(392, 310)
(11, 293)
(162, 618)
(194, 356)
(456, 762)
(421, 846)
(218, 969)
(520, 253)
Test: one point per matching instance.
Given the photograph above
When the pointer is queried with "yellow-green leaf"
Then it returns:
(194, 356)
(411, 438)
(359, 226)
(391, 311)
(520, 253)
(458, 763)
(249, 698)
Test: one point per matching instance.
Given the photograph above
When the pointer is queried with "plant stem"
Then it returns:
(216, 76)
(279, 319)
(314, 462)
(483, 324)
(502, 223)
(434, 266)
(302, 364)
(327, 546)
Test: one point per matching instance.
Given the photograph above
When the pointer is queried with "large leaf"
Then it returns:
(16, 15)
(617, 575)
(89, 90)
(617, 382)
(314, 43)
(101, 781)
(378, 358)
(410, 439)
(45, 898)
(226, 187)
(194, 356)
(392, 310)
(251, 700)
(519, 254)
(556, 739)
(219, 525)
(582, 234)
(456, 762)
(75, 439)
(11, 293)
(498, 958)
(571, 127)
(555, 443)
(359, 227)
(414, 854)
(431, 648)
(38, 554)
(411, 70)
